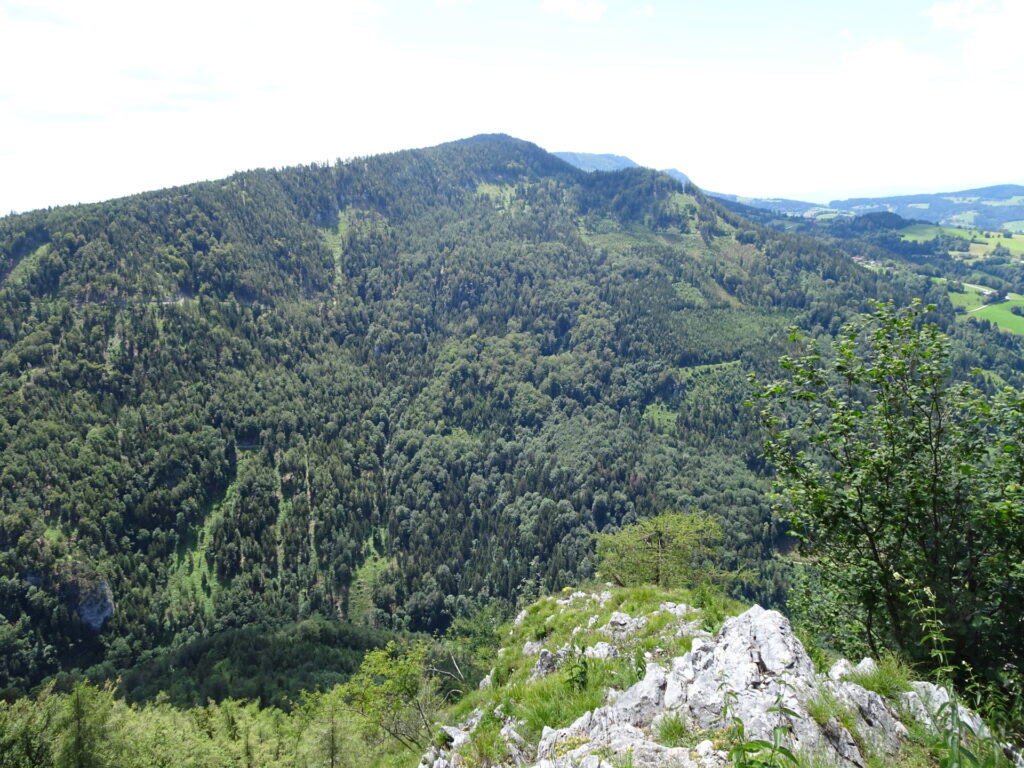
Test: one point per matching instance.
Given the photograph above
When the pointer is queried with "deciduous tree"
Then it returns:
(896, 478)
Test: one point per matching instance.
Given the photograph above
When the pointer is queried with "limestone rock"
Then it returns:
(601, 650)
(622, 625)
(547, 662)
(753, 672)
(840, 669)
(95, 606)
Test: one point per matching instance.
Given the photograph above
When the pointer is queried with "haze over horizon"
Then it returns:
(806, 101)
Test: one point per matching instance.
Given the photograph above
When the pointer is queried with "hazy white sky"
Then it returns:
(805, 98)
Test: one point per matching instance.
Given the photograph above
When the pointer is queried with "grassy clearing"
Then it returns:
(660, 416)
(983, 242)
(360, 600)
(690, 294)
(336, 238)
(1001, 315)
(965, 219)
(191, 582)
(921, 232)
(1015, 200)
(971, 298)
(24, 269)
(975, 302)
(501, 194)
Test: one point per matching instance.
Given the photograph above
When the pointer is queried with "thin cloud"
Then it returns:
(957, 14)
(890, 60)
(586, 10)
(991, 35)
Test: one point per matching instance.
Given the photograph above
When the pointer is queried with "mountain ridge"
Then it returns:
(991, 207)
(422, 378)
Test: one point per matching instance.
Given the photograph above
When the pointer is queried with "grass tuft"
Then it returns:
(890, 676)
(672, 731)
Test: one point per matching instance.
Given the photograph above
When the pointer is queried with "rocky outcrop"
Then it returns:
(753, 680)
(96, 606)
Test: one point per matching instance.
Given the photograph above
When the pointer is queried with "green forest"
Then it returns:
(253, 428)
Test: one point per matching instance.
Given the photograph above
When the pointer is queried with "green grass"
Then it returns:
(672, 731)
(501, 194)
(965, 219)
(191, 583)
(336, 238)
(486, 747)
(969, 299)
(1001, 315)
(560, 698)
(1015, 200)
(690, 294)
(985, 243)
(660, 416)
(550, 702)
(24, 268)
(921, 232)
(1015, 226)
(360, 595)
(889, 677)
(824, 707)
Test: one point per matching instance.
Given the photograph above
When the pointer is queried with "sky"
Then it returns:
(803, 99)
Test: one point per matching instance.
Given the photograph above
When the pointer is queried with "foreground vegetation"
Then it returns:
(391, 711)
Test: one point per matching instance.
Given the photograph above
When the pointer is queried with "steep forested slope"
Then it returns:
(390, 389)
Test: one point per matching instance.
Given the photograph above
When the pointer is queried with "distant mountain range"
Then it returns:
(588, 162)
(995, 207)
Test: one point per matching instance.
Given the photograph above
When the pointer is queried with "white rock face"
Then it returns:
(601, 650)
(622, 625)
(747, 674)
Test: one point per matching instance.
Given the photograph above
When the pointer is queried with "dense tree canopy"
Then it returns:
(389, 390)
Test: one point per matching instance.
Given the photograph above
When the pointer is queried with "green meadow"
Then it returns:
(982, 241)
(1001, 315)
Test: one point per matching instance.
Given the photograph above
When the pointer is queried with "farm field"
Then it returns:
(1001, 315)
(969, 300)
(974, 301)
(984, 246)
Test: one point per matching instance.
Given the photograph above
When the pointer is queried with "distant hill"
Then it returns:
(778, 204)
(996, 207)
(588, 162)
(677, 175)
(999, 207)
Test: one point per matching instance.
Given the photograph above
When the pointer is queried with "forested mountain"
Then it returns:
(392, 389)
(587, 161)
(996, 207)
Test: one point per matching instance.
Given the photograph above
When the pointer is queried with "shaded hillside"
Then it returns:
(391, 389)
